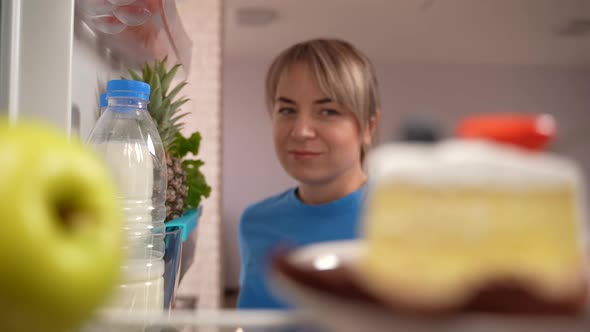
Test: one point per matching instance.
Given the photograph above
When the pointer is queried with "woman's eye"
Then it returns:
(286, 110)
(329, 112)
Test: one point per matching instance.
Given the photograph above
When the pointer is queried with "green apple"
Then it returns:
(60, 230)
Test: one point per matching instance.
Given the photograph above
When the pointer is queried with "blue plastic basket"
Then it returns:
(187, 223)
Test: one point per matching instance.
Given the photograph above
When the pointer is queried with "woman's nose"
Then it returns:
(303, 128)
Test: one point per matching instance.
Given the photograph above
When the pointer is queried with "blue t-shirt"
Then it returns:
(285, 220)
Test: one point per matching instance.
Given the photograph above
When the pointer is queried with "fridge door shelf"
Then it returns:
(181, 320)
(135, 31)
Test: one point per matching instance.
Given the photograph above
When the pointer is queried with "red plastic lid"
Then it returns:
(531, 131)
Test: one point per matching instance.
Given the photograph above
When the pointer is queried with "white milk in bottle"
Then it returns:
(128, 141)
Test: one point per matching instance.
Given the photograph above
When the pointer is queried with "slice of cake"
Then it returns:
(472, 224)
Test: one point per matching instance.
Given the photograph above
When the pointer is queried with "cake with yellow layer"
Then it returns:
(467, 224)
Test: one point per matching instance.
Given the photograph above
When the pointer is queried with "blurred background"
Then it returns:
(436, 61)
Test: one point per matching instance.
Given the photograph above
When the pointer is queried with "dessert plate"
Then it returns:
(319, 279)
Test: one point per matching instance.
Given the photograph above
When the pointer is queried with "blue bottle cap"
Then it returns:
(128, 88)
(103, 100)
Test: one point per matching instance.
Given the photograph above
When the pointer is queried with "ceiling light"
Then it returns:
(254, 16)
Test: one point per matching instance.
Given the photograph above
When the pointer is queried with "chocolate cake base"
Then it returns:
(506, 297)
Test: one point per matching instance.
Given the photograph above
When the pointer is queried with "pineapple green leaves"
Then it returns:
(165, 108)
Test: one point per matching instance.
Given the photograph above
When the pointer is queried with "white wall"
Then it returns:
(440, 92)
(250, 170)
(202, 21)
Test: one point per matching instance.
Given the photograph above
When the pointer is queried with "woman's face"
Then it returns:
(316, 139)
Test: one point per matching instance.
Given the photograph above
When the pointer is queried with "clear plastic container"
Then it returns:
(149, 284)
(127, 139)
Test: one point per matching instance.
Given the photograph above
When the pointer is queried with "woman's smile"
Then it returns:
(304, 154)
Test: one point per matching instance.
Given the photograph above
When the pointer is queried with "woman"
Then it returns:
(323, 102)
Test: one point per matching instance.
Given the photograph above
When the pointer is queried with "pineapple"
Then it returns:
(186, 184)
(177, 189)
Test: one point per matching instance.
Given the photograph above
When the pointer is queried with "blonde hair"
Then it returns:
(343, 73)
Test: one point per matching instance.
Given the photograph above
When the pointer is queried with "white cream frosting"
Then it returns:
(470, 163)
